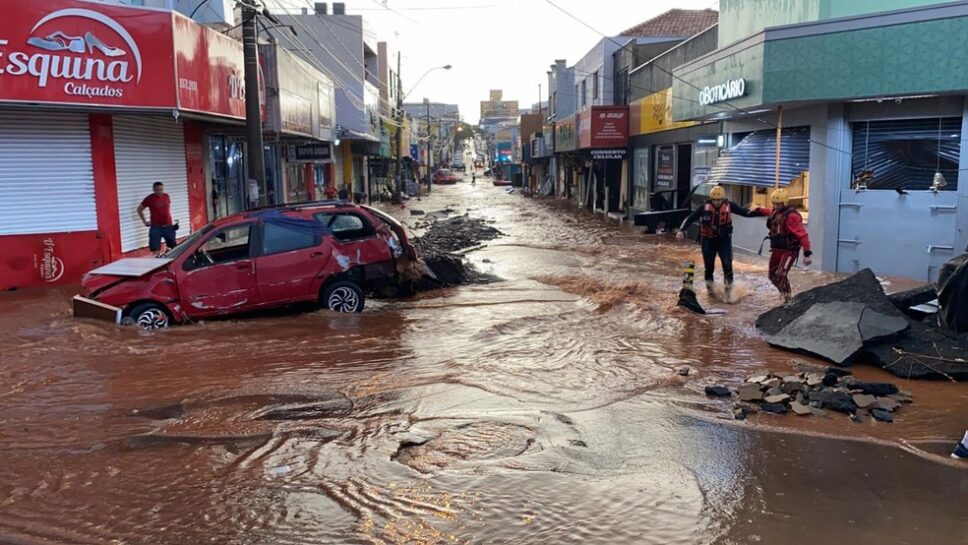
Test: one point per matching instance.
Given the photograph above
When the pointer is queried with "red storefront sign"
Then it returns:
(604, 127)
(48, 260)
(81, 53)
(210, 70)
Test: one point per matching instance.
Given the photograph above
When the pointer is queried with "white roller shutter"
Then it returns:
(46, 177)
(149, 150)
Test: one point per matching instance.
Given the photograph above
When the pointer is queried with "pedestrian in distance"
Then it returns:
(473, 178)
(715, 218)
(160, 226)
(787, 237)
(344, 194)
(330, 191)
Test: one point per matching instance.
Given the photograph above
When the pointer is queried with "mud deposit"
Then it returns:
(545, 408)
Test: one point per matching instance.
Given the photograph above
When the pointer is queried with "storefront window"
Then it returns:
(906, 154)
(640, 177)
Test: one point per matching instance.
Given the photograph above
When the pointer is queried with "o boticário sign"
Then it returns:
(721, 93)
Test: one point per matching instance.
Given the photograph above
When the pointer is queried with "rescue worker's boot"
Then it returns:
(786, 296)
(709, 290)
(728, 293)
(961, 449)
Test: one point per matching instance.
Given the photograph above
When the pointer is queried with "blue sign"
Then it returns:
(415, 151)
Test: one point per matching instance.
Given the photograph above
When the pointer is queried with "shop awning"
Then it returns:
(753, 160)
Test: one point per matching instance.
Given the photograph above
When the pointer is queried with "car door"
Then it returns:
(355, 241)
(220, 277)
(289, 260)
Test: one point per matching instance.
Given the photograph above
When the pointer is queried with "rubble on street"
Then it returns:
(816, 393)
(440, 245)
(854, 321)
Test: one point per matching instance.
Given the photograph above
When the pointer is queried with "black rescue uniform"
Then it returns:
(716, 233)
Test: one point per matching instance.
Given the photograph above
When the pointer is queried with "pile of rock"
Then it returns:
(815, 393)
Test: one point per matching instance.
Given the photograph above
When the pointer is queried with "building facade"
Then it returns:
(344, 47)
(871, 153)
(87, 128)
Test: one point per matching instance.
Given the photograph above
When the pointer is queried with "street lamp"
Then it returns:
(400, 99)
(444, 67)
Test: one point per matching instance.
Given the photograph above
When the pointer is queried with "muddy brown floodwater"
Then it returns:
(540, 409)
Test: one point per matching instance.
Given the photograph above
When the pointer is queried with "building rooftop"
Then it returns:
(680, 23)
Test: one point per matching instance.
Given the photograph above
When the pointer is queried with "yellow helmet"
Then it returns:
(779, 196)
(718, 192)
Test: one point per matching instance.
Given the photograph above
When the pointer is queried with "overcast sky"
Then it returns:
(494, 44)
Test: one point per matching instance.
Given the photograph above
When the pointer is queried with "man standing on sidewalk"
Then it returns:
(787, 236)
(716, 231)
(161, 225)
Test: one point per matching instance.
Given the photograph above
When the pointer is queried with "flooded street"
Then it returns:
(543, 408)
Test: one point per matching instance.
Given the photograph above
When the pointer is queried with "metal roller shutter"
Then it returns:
(149, 150)
(46, 177)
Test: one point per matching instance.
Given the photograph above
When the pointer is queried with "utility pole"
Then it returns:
(253, 109)
(430, 181)
(397, 198)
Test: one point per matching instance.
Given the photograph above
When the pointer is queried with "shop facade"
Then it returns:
(96, 104)
(872, 154)
(300, 106)
(668, 159)
(566, 158)
(603, 133)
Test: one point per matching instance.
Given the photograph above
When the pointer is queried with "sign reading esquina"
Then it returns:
(720, 93)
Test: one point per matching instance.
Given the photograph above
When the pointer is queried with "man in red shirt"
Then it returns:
(161, 225)
(787, 236)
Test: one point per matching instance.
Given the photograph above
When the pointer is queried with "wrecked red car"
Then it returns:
(445, 176)
(330, 252)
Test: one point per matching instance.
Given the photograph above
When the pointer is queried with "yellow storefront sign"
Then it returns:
(654, 114)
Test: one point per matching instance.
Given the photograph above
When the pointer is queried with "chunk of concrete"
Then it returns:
(837, 331)
(718, 391)
(800, 409)
(875, 388)
(885, 404)
(750, 392)
(779, 398)
(776, 408)
(835, 401)
(863, 400)
(882, 416)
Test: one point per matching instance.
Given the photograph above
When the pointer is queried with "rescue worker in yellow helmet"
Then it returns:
(787, 236)
(716, 234)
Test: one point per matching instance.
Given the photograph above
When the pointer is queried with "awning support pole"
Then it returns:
(779, 132)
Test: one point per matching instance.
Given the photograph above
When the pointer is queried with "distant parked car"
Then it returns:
(330, 252)
(445, 176)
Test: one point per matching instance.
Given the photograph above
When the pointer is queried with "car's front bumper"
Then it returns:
(89, 308)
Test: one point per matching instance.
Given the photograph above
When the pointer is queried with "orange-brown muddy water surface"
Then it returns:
(540, 409)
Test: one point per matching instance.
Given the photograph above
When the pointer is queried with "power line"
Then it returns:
(434, 8)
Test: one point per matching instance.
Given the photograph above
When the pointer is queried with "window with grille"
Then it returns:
(906, 153)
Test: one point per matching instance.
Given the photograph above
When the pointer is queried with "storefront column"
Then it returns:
(195, 166)
(347, 166)
(310, 180)
(105, 186)
(830, 173)
(961, 237)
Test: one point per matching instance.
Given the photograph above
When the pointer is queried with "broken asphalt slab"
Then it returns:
(862, 287)
(837, 331)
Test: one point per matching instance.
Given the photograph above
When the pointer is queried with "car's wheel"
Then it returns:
(149, 316)
(343, 297)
